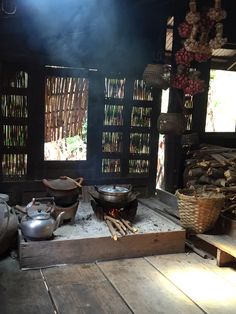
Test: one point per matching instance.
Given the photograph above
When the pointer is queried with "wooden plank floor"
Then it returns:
(174, 283)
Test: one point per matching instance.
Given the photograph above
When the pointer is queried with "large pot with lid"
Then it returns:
(113, 193)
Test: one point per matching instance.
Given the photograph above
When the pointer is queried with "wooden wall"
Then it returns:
(111, 36)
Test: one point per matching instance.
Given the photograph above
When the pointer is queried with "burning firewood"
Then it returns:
(111, 229)
(116, 223)
(129, 226)
(119, 224)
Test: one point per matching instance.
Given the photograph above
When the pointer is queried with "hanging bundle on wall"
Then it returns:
(171, 123)
(202, 33)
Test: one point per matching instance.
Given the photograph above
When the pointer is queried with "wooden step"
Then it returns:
(225, 245)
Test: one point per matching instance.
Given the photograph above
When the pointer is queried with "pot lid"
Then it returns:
(113, 189)
(61, 184)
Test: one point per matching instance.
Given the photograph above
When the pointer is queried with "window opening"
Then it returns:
(221, 110)
(66, 108)
(160, 178)
(14, 166)
(114, 88)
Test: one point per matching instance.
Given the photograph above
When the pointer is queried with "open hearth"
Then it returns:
(118, 216)
(89, 240)
(126, 210)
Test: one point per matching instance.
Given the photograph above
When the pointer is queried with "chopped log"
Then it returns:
(223, 189)
(189, 162)
(222, 160)
(215, 172)
(111, 229)
(230, 155)
(233, 169)
(205, 179)
(208, 163)
(232, 198)
(230, 176)
(204, 164)
(191, 183)
(219, 182)
(202, 152)
(218, 166)
(196, 172)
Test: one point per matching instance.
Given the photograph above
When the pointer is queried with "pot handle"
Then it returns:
(46, 182)
(79, 180)
(74, 181)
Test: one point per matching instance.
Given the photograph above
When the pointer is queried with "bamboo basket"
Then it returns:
(155, 75)
(199, 210)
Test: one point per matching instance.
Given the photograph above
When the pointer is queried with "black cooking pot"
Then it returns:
(64, 190)
(113, 194)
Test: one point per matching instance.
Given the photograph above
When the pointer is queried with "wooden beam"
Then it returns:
(223, 258)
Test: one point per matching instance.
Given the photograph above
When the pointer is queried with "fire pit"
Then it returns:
(117, 215)
(126, 210)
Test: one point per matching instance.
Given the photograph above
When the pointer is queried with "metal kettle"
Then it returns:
(38, 224)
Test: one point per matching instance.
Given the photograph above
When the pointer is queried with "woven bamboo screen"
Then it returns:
(66, 103)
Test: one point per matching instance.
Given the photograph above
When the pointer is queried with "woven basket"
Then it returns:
(154, 76)
(199, 211)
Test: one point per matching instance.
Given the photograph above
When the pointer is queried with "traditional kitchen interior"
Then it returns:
(118, 156)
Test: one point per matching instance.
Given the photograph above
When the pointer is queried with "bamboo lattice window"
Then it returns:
(14, 166)
(66, 104)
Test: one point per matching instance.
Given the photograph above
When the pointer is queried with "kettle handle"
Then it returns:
(58, 220)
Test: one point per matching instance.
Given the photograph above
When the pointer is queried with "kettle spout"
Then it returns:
(58, 220)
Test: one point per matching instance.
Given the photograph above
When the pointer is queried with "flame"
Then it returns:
(114, 212)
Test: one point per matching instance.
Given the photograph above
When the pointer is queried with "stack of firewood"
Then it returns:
(119, 227)
(214, 168)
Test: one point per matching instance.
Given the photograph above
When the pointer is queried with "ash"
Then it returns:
(86, 224)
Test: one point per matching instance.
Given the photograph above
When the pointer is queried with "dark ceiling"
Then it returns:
(117, 33)
(114, 33)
